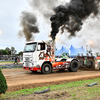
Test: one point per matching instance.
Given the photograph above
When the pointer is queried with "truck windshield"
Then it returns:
(30, 47)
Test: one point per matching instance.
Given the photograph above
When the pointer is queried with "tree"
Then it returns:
(20, 53)
(4, 52)
(8, 50)
(3, 84)
(1, 52)
(13, 51)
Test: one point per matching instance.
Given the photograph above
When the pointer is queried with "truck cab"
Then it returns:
(39, 56)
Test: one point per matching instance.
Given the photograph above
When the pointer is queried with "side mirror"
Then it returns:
(38, 47)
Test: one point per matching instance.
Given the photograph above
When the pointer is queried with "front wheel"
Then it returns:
(73, 66)
(46, 68)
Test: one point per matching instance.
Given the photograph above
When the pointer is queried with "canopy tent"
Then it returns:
(75, 51)
(82, 50)
(61, 51)
(72, 51)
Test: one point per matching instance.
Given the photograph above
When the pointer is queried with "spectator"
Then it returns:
(16, 60)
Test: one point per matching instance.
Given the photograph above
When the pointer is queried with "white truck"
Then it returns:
(40, 56)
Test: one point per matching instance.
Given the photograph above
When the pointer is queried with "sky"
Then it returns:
(10, 12)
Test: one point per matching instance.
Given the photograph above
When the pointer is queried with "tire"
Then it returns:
(73, 66)
(63, 59)
(46, 68)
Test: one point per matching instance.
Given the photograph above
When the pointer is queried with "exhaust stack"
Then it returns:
(54, 49)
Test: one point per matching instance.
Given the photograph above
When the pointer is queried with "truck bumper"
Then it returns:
(32, 68)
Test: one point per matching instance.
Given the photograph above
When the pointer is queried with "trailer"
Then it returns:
(86, 61)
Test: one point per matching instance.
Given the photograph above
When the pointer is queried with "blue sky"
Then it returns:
(10, 12)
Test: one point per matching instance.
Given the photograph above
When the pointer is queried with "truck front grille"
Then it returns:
(27, 64)
(26, 59)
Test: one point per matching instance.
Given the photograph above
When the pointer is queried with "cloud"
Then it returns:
(0, 31)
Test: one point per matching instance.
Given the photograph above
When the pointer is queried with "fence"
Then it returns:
(10, 58)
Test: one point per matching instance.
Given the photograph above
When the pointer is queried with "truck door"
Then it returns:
(41, 50)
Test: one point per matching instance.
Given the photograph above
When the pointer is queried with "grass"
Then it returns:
(6, 62)
(78, 90)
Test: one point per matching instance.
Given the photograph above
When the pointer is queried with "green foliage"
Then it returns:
(13, 51)
(20, 53)
(3, 84)
(1, 52)
(4, 52)
(8, 50)
(78, 90)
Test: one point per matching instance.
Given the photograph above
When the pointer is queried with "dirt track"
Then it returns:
(20, 79)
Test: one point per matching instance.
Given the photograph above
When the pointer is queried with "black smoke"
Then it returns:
(29, 25)
(44, 7)
(72, 15)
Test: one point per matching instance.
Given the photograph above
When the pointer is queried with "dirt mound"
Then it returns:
(21, 79)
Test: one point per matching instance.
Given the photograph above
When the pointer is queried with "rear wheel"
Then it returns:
(46, 68)
(73, 66)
